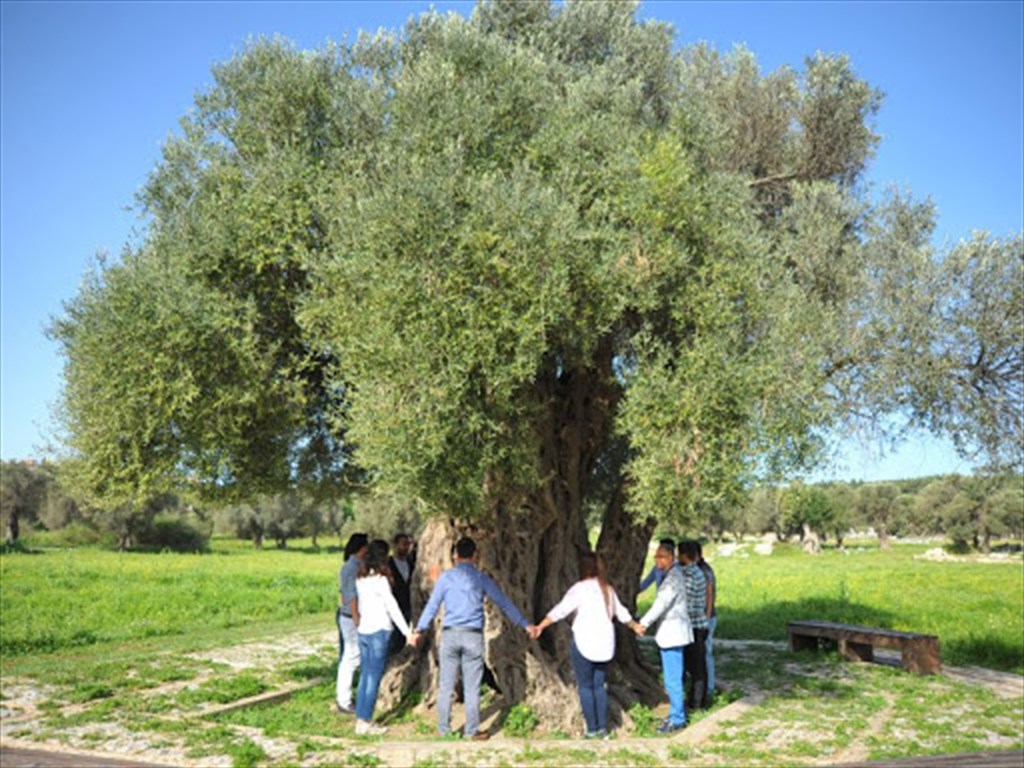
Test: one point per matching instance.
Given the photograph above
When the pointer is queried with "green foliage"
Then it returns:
(22, 490)
(422, 245)
(223, 690)
(73, 536)
(245, 754)
(645, 721)
(520, 721)
(174, 533)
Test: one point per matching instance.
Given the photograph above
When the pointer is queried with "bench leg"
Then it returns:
(852, 651)
(922, 657)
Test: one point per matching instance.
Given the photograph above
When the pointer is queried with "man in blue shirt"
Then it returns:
(462, 590)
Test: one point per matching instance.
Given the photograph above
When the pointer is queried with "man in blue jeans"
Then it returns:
(462, 591)
(674, 633)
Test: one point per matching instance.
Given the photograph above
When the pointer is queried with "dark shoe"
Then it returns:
(667, 728)
(344, 710)
(481, 736)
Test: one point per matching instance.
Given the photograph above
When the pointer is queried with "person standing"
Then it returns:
(401, 564)
(462, 590)
(694, 659)
(709, 651)
(594, 604)
(379, 618)
(655, 575)
(674, 633)
(348, 617)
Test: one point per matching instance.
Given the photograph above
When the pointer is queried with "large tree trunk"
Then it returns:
(883, 536)
(530, 541)
(812, 543)
(13, 528)
(623, 542)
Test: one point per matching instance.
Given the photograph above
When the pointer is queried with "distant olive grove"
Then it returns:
(970, 512)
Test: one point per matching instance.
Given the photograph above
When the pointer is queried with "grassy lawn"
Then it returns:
(135, 642)
(59, 599)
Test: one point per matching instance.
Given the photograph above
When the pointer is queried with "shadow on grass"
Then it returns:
(768, 622)
(988, 652)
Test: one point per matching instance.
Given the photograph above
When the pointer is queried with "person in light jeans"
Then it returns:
(593, 604)
(673, 634)
(348, 616)
(462, 591)
(379, 616)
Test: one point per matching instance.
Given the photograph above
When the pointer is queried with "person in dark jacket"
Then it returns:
(402, 564)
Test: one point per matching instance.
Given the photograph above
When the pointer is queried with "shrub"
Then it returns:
(74, 535)
(174, 533)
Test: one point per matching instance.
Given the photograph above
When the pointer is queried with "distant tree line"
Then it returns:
(969, 511)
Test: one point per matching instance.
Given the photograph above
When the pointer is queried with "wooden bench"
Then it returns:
(920, 653)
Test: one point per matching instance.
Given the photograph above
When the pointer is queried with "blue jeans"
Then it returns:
(590, 681)
(373, 653)
(460, 649)
(709, 651)
(672, 672)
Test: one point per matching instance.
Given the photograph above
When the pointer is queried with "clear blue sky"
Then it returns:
(90, 90)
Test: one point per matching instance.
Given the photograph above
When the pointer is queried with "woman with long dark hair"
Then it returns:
(379, 614)
(595, 604)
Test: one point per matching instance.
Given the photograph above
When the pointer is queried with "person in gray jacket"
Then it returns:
(673, 633)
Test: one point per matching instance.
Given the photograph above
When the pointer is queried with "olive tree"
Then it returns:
(534, 269)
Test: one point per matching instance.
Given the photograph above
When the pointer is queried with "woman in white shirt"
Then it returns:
(379, 614)
(595, 604)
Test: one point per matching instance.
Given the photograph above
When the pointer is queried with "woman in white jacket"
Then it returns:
(594, 603)
(673, 633)
(378, 615)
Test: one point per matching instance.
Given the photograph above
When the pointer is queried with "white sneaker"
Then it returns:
(367, 728)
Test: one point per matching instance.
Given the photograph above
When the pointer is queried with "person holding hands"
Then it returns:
(673, 634)
(462, 590)
(379, 615)
(594, 603)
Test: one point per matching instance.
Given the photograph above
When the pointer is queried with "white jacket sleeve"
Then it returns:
(621, 612)
(662, 602)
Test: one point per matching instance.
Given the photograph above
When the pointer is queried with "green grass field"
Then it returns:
(56, 600)
(59, 599)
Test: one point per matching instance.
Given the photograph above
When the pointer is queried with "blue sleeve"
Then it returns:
(649, 579)
(433, 604)
(494, 592)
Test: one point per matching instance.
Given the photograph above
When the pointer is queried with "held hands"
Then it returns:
(637, 627)
(533, 631)
(414, 638)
